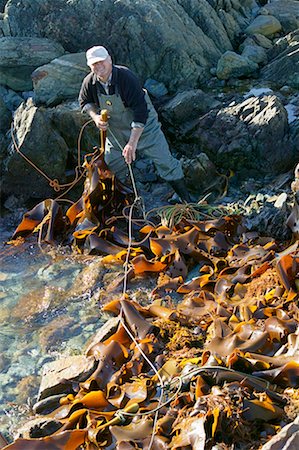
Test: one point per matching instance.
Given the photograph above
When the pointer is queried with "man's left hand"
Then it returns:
(129, 153)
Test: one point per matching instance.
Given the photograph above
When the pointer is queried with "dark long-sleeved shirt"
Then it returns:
(125, 83)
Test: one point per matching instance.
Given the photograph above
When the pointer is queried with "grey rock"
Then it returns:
(283, 69)
(11, 99)
(5, 115)
(176, 42)
(265, 25)
(20, 56)
(251, 136)
(188, 105)
(155, 88)
(286, 11)
(257, 39)
(201, 175)
(255, 53)
(232, 65)
(59, 80)
(48, 137)
(207, 19)
(32, 126)
(58, 375)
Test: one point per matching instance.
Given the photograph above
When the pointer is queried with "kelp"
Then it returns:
(210, 360)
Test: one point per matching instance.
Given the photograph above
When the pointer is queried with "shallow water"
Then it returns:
(46, 312)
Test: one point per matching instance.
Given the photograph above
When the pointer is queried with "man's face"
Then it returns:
(102, 69)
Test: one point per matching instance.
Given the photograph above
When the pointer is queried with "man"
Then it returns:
(133, 122)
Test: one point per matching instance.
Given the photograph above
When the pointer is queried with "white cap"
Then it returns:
(95, 54)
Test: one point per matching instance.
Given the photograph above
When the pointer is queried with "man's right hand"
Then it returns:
(98, 120)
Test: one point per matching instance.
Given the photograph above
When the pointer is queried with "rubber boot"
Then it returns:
(180, 188)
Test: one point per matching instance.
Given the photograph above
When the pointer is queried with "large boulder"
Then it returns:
(20, 56)
(168, 41)
(59, 80)
(251, 137)
(286, 11)
(48, 138)
(264, 24)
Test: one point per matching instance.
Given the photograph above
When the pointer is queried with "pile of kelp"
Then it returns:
(214, 359)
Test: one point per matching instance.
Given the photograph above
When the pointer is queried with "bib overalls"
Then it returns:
(151, 144)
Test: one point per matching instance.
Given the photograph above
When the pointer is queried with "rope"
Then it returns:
(138, 200)
(54, 183)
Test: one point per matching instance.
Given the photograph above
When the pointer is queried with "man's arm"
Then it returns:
(129, 151)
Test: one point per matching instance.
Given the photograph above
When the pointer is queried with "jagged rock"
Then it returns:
(19, 56)
(251, 136)
(265, 25)
(283, 69)
(58, 375)
(232, 65)
(186, 106)
(206, 17)
(59, 80)
(178, 45)
(48, 137)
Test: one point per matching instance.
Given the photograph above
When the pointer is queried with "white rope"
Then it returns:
(139, 200)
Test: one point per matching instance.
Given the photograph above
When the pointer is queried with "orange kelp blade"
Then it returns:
(67, 440)
(35, 216)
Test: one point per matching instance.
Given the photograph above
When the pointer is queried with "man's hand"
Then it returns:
(129, 153)
(98, 120)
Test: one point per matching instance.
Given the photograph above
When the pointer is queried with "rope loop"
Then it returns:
(55, 185)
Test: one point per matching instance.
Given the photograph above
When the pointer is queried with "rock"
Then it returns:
(232, 65)
(5, 115)
(48, 137)
(155, 88)
(286, 11)
(265, 25)
(20, 56)
(181, 40)
(201, 175)
(59, 80)
(208, 20)
(248, 137)
(286, 439)
(11, 99)
(283, 69)
(186, 106)
(255, 53)
(27, 388)
(261, 40)
(58, 375)
(105, 331)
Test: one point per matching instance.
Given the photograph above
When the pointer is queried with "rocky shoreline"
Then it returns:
(224, 77)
